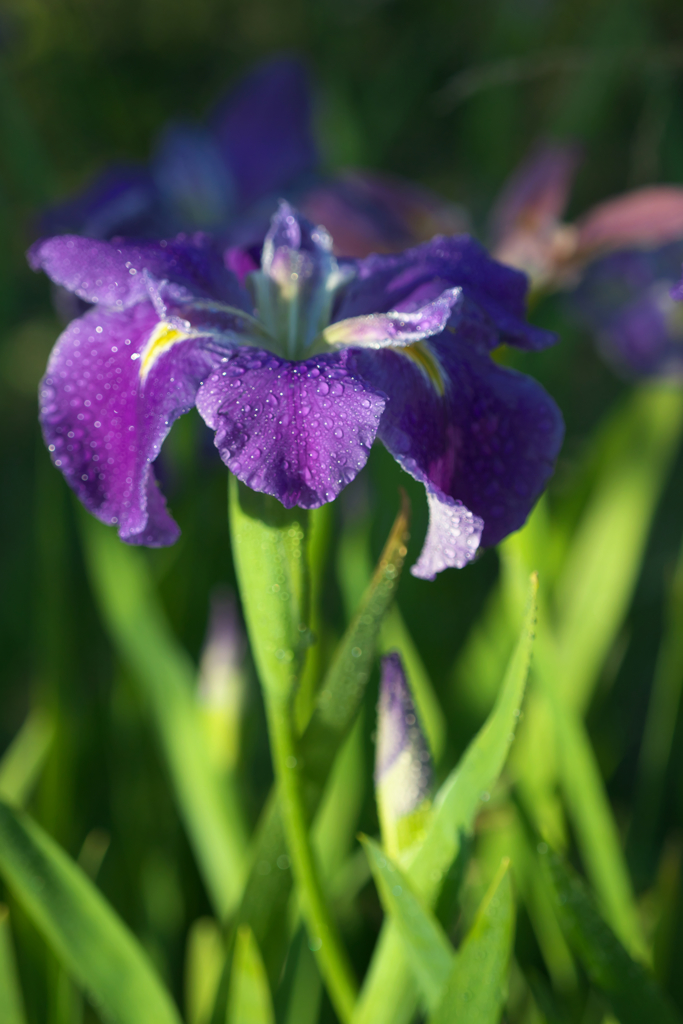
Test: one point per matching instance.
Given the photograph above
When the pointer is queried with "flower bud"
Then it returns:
(403, 770)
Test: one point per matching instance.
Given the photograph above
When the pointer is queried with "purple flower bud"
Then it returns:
(403, 769)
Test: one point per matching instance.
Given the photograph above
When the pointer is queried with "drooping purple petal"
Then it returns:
(469, 429)
(377, 330)
(298, 430)
(115, 273)
(104, 421)
(264, 129)
(453, 536)
(417, 276)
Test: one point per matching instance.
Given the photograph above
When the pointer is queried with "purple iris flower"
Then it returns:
(297, 373)
(626, 300)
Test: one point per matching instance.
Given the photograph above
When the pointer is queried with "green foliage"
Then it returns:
(476, 987)
(88, 938)
(631, 991)
(209, 805)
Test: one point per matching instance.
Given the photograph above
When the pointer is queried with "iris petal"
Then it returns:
(298, 430)
(104, 427)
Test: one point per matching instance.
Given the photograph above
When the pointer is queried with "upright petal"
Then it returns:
(298, 430)
(104, 421)
(113, 273)
(264, 129)
(417, 276)
(194, 182)
(473, 432)
(367, 212)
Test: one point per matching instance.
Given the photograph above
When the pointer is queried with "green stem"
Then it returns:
(324, 938)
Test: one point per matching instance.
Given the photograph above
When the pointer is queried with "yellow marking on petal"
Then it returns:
(421, 354)
(163, 337)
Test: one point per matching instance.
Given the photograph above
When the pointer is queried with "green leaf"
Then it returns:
(630, 989)
(305, 987)
(461, 795)
(475, 990)
(271, 564)
(204, 962)
(430, 954)
(596, 831)
(86, 935)
(139, 630)
(602, 565)
(387, 992)
(250, 1001)
(354, 571)
(11, 999)
(23, 760)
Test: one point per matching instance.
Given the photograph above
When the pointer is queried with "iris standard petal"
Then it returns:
(104, 420)
(417, 276)
(300, 431)
(264, 129)
(113, 273)
(470, 430)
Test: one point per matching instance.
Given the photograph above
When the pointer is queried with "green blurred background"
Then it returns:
(451, 95)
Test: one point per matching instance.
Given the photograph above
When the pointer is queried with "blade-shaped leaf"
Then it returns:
(11, 999)
(602, 565)
(23, 760)
(460, 797)
(387, 993)
(630, 989)
(250, 1001)
(138, 627)
(85, 933)
(429, 952)
(475, 989)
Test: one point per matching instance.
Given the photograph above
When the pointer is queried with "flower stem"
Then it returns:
(324, 938)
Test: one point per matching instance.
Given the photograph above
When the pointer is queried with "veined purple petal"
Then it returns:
(402, 762)
(409, 280)
(113, 273)
(264, 129)
(298, 430)
(104, 422)
(479, 433)
(377, 330)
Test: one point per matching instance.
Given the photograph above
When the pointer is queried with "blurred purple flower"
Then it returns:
(619, 260)
(625, 298)
(298, 381)
(227, 178)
